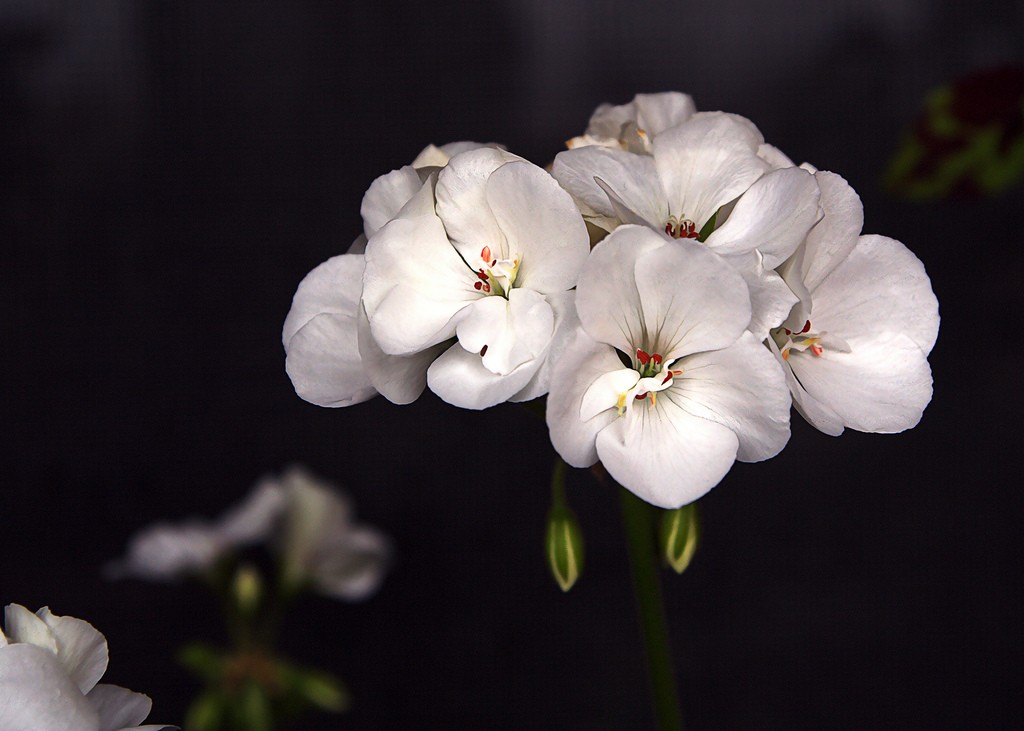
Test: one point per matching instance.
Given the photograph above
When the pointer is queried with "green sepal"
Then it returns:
(708, 228)
(678, 536)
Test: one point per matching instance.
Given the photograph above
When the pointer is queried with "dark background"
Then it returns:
(171, 170)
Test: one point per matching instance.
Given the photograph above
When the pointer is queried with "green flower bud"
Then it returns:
(564, 546)
(247, 588)
(678, 536)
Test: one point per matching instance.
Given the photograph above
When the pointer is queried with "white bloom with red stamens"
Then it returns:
(487, 256)
(855, 348)
(328, 356)
(663, 383)
(705, 180)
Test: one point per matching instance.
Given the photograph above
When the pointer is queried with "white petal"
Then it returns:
(771, 299)
(631, 177)
(706, 163)
(37, 695)
(460, 378)
(386, 196)
(399, 378)
(319, 334)
(541, 224)
(882, 385)
(563, 304)
(118, 707)
(81, 648)
(605, 391)
(254, 518)
(814, 412)
(638, 290)
(507, 333)
(773, 216)
(433, 156)
(324, 365)
(350, 565)
(414, 282)
(462, 200)
(331, 287)
(22, 626)
(775, 157)
(664, 454)
(832, 239)
(880, 287)
(581, 363)
(162, 552)
(741, 387)
(657, 112)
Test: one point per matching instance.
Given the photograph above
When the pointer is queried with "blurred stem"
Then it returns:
(639, 521)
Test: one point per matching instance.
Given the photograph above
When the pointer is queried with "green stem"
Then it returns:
(639, 520)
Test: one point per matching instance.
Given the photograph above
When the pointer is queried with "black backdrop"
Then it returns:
(170, 171)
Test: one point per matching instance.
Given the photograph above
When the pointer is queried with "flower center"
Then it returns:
(495, 276)
(681, 228)
(788, 340)
(655, 375)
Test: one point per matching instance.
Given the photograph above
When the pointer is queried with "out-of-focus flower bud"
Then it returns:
(247, 589)
(678, 536)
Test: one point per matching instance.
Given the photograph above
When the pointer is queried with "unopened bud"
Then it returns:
(564, 546)
(247, 588)
(678, 536)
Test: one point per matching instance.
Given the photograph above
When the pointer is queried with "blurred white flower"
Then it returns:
(168, 551)
(322, 545)
(855, 347)
(663, 384)
(488, 257)
(50, 668)
(307, 522)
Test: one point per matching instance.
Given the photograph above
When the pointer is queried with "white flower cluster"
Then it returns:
(726, 284)
(50, 668)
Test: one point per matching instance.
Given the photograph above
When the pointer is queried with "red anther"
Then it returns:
(483, 350)
(487, 287)
(817, 350)
(640, 396)
(643, 357)
(667, 378)
(807, 327)
(668, 230)
(657, 359)
(788, 331)
(478, 285)
(480, 273)
(485, 254)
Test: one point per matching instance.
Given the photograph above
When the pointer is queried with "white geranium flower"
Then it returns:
(631, 126)
(855, 348)
(327, 360)
(694, 170)
(307, 521)
(663, 383)
(50, 668)
(486, 255)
